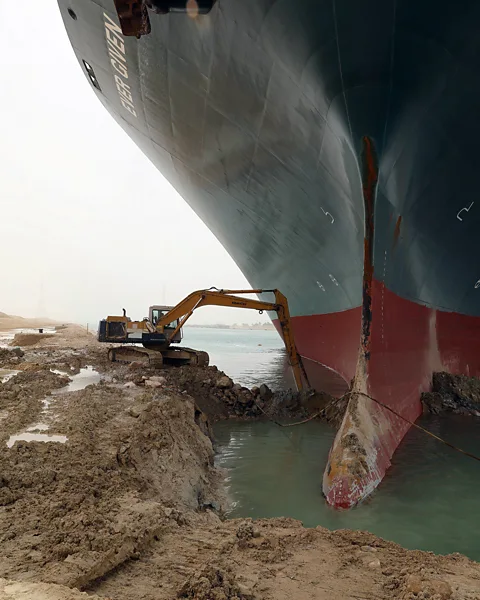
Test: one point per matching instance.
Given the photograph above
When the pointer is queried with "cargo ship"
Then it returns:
(330, 147)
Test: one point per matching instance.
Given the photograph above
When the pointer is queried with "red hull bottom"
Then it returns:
(409, 342)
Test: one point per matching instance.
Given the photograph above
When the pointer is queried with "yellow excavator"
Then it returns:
(163, 327)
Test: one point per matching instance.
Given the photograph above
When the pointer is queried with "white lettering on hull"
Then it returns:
(116, 51)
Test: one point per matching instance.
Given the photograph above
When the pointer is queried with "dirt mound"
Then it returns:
(66, 335)
(29, 339)
(74, 336)
(94, 501)
(4, 315)
(278, 558)
(457, 394)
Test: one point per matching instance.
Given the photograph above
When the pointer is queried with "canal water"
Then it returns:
(247, 356)
(429, 500)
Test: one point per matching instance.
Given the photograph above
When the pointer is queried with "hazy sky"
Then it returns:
(70, 179)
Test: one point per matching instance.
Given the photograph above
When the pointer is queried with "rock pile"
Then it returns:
(219, 397)
(9, 358)
(457, 394)
(215, 393)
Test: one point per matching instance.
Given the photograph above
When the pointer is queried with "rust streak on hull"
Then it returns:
(396, 233)
(370, 179)
(350, 474)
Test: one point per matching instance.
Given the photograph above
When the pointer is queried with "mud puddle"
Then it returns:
(5, 338)
(35, 437)
(7, 374)
(87, 376)
(36, 433)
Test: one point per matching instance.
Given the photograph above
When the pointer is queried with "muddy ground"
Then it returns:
(130, 507)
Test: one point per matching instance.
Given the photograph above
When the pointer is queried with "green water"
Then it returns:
(249, 357)
(429, 499)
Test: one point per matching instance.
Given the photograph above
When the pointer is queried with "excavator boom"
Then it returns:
(158, 336)
(233, 298)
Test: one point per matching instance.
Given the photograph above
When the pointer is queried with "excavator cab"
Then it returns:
(155, 313)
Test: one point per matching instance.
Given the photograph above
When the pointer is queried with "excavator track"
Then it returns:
(157, 358)
(185, 356)
(129, 354)
(198, 357)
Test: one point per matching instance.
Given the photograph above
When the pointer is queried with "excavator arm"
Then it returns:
(213, 297)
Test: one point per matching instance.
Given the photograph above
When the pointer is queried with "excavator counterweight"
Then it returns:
(163, 327)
